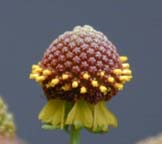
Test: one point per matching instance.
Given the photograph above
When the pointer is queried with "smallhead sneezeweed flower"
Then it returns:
(79, 72)
(7, 126)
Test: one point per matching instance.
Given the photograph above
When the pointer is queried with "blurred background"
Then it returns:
(27, 27)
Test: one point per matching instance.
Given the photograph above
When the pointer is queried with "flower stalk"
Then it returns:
(74, 135)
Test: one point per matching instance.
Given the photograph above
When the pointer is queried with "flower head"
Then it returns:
(81, 68)
(7, 126)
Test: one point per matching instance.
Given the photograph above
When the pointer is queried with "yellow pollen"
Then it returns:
(127, 72)
(118, 86)
(40, 78)
(94, 83)
(86, 76)
(117, 71)
(125, 78)
(46, 72)
(33, 76)
(126, 65)
(36, 69)
(111, 79)
(102, 73)
(103, 89)
(66, 87)
(65, 76)
(83, 90)
(123, 58)
(54, 82)
(75, 84)
(35, 66)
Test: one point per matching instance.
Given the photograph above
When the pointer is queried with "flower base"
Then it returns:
(96, 118)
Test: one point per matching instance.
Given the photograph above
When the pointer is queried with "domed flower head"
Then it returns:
(79, 72)
(7, 126)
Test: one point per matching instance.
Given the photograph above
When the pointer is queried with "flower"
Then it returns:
(79, 72)
(152, 140)
(7, 126)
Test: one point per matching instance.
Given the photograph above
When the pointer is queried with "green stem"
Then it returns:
(74, 136)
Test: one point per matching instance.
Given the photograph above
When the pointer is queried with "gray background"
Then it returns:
(27, 27)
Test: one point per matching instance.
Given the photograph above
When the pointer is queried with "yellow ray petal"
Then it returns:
(80, 115)
(53, 113)
(103, 118)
